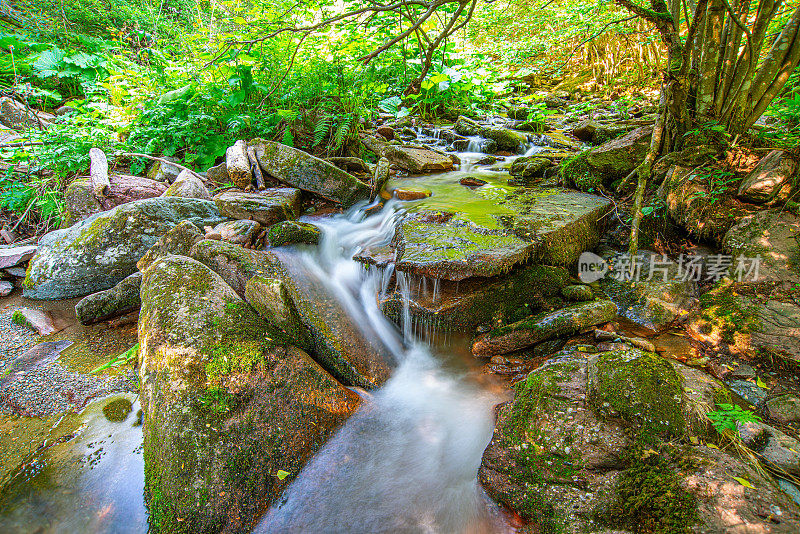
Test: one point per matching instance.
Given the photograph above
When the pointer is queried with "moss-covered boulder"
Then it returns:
(417, 160)
(265, 207)
(118, 300)
(506, 139)
(241, 232)
(97, 253)
(567, 465)
(577, 173)
(179, 240)
(771, 235)
(292, 233)
(229, 416)
(271, 299)
(236, 265)
(496, 230)
(532, 330)
(577, 293)
(618, 157)
(529, 169)
(304, 171)
(80, 201)
(638, 387)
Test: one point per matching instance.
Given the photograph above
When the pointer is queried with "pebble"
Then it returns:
(6, 288)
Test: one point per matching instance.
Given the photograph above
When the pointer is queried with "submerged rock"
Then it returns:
(265, 207)
(225, 411)
(530, 331)
(304, 171)
(99, 252)
(118, 300)
(552, 226)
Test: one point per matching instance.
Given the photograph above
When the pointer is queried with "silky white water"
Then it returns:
(407, 460)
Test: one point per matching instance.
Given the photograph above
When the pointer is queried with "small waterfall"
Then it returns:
(407, 460)
(475, 143)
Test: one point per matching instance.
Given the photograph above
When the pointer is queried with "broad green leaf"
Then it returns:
(744, 482)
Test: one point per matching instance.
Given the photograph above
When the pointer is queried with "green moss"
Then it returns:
(233, 358)
(19, 319)
(650, 497)
(577, 173)
(641, 388)
(727, 312)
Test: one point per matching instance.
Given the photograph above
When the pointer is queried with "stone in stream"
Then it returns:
(235, 264)
(271, 299)
(293, 232)
(99, 252)
(80, 201)
(506, 139)
(529, 169)
(34, 318)
(461, 306)
(417, 160)
(118, 300)
(304, 171)
(225, 409)
(549, 225)
(265, 207)
(618, 157)
(410, 194)
(187, 185)
(527, 332)
(568, 465)
(239, 232)
(179, 240)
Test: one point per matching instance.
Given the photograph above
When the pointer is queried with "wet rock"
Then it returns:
(304, 171)
(97, 253)
(293, 232)
(17, 116)
(6, 288)
(179, 240)
(410, 194)
(80, 201)
(771, 180)
(618, 157)
(379, 178)
(271, 299)
(265, 207)
(771, 235)
(417, 160)
(552, 225)
(472, 182)
(240, 232)
(650, 302)
(234, 264)
(341, 346)
(119, 300)
(466, 126)
(224, 409)
(187, 185)
(387, 132)
(506, 139)
(577, 293)
(39, 321)
(443, 305)
(686, 193)
(784, 408)
(778, 449)
(14, 255)
(563, 322)
(117, 410)
(529, 169)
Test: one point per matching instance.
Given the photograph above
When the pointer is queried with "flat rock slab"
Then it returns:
(302, 170)
(97, 253)
(551, 225)
(38, 320)
(265, 207)
(11, 256)
(417, 159)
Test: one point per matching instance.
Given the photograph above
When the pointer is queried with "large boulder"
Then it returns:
(265, 207)
(771, 180)
(229, 417)
(618, 157)
(97, 253)
(611, 464)
(80, 201)
(187, 185)
(532, 330)
(553, 226)
(178, 240)
(771, 235)
(417, 160)
(304, 171)
(703, 212)
(18, 116)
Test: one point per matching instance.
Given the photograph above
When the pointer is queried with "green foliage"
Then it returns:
(728, 415)
(125, 358)
(718, 184)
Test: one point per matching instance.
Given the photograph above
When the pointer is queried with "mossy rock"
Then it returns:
(617, 158)
(103, 305)
(292, 233)
(506, 139)
(265, 207)
(178, 240)
(640, 388)
(577, 173)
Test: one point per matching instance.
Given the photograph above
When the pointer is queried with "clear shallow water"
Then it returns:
(92, 483)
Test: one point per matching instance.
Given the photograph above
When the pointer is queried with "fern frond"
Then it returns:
(322, 128)
(342, 131)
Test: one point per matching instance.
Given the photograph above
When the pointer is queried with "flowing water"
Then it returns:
(407, 460)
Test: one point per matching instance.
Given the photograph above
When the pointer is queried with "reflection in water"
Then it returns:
(91, 484)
